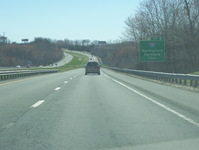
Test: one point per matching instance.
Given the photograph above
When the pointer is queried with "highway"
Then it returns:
(67, 58)
(113, 111)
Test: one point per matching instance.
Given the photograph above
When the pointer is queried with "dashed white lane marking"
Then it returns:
(157, 103)
(9, 125)
(65, 81)
(37, 103)
(58, 88)
(71, 78)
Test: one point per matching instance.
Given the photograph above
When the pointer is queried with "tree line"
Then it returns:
(41, 51)
(77, 45)
(177, 21)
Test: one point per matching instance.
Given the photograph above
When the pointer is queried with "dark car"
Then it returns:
(92, 67)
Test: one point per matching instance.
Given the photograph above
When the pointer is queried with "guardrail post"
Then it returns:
(185, 82)
(180, 81)
(170, 81)
(191, 82)
(157, 78)
(176, 81)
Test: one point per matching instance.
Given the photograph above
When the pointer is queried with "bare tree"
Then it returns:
(178, 22)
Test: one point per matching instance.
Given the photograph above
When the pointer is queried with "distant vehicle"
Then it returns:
(18, 66)
(92, 67)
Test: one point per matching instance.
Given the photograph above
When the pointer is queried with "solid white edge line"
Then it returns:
(37, 103)
(157, 103)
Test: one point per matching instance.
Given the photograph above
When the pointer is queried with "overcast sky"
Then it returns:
(61, 19)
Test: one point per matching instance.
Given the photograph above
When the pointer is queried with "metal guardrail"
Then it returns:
(6, 75)
(180, 79)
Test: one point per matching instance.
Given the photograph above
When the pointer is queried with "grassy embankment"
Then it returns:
(195, 73)
(78, 61)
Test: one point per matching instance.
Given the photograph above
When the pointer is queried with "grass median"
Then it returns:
(78, 61)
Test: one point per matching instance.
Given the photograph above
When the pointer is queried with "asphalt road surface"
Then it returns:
(73, 111)
(66, 59)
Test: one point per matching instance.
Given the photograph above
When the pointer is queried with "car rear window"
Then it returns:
(92, 64)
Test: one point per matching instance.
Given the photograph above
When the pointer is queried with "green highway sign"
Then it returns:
(152, 51)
